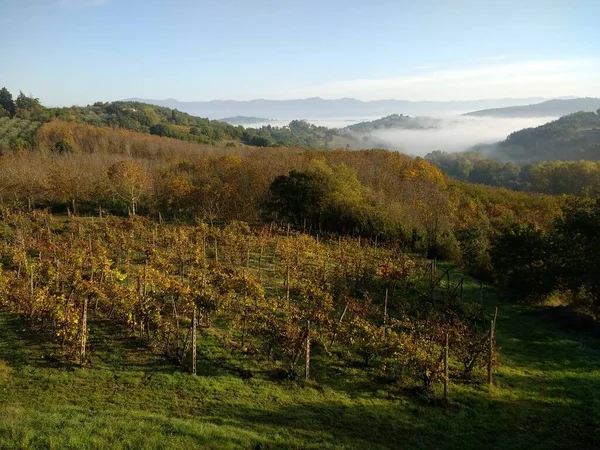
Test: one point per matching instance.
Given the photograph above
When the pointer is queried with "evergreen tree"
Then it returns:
(6, 101)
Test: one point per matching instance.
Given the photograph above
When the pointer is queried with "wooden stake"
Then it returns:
(491, 349)
(446, 377)
(287, 285)
(194, 339)
(83, 332)
(216, 253)
(307, 355)
(385, 313)
(339, 322)
(260, 263)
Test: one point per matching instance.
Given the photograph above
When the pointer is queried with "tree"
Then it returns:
(522, 261)
(576, 246)
(296, 197)
(130, 181)
(6, 101)
(29, 107)
(161, 129)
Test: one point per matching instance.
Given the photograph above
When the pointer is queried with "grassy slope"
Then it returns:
(547, 396)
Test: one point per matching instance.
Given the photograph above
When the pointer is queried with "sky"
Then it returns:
(81, 51)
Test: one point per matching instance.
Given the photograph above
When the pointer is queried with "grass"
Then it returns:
(546, 395)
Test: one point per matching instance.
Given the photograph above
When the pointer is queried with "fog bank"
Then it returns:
(455, 134)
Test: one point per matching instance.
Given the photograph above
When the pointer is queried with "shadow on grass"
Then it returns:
(20, 345)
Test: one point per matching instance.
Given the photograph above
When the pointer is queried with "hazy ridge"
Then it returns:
(550, 108)
(319, 107)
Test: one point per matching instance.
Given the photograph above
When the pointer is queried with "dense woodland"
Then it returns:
(27, 113)
(572, 137)
(551, 177)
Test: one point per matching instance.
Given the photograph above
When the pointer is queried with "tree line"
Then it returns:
(550, 177)
(561, 260)
(164, 122)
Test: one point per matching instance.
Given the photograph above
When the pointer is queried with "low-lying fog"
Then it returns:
(455, 133)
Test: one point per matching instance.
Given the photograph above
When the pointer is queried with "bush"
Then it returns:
(63, 146)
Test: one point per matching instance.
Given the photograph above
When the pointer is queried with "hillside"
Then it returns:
(395, 121)
(151, 119)
(17, 126)
(560, 157)
(572, 137)
(244, 120)
(550, 108)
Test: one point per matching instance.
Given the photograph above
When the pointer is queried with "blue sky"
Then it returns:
(81, 51)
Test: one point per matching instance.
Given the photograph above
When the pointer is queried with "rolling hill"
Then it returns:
(244, 120)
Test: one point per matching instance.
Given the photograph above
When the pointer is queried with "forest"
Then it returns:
(551, 177)
(571, 137)
(166, 261)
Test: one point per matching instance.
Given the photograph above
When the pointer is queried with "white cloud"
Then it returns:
(504, 79)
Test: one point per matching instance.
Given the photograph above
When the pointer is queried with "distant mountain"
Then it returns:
(321, 108)
(550, 108)
(244, 120)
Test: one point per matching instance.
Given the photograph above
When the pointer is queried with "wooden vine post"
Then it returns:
(339, 322)
(491, 348)
(194, 338)
(260, 256)
(216, 252)
(307, 354)
(287, 284)
(446, 375)
(385, 313)
(248, 255)
(83, 341)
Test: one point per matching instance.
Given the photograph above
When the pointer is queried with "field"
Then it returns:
(546, 395)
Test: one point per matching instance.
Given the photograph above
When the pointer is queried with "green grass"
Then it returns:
(547, 395)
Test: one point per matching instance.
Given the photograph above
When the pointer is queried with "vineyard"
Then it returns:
(134, 333)
(16, 134)
(271, 293)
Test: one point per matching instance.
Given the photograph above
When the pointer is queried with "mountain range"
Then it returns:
(325, 108)
(550, 108)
